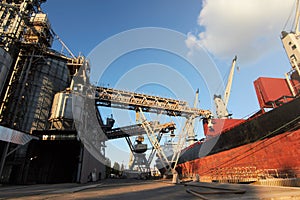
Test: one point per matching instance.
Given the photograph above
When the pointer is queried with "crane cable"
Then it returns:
(289, 18)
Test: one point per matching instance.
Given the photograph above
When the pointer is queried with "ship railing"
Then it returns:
(281, 100)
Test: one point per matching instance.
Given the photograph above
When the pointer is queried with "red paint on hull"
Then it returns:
(220, 126)
(279, 153)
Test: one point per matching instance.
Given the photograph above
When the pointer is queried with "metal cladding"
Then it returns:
(5, 64)
(68, 105)
(61, 113)
(13, 136)
(30, 94)
(62, 107)
(37, 72)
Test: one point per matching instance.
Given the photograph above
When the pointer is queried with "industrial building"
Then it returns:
(51, 130)
(38, 139)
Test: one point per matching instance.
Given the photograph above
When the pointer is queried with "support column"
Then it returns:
(3, 158)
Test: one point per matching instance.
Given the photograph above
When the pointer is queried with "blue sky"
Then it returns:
(82, 25)
(248, 29)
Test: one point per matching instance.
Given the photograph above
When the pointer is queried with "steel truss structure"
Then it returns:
(141, 103)
(110, 97)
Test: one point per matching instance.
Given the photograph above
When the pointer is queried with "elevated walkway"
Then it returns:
(133, 101)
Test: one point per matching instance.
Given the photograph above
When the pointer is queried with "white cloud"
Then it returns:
(248, 28)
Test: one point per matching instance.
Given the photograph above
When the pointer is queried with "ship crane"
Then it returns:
(291, 45)
(221, 104)
(191, 137)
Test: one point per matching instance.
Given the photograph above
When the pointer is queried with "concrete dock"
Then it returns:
(114, 189)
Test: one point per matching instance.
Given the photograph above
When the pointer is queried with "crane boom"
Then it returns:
(229, 83)
(221, 104)
(191, 132)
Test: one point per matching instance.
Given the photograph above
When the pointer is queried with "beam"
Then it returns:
(109, 97)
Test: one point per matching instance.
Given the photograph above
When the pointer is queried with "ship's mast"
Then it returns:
(291, 44)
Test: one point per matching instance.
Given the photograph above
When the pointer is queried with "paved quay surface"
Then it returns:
(115, 189)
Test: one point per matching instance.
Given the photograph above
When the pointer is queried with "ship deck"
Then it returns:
(150, 190)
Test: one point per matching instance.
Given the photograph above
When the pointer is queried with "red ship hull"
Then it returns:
(277, 157)
(263, 146)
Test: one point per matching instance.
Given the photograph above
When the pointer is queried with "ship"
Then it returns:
(262, 147)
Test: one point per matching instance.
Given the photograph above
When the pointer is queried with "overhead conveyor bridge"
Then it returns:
(137, 129)
(141, 103)
(147, 103)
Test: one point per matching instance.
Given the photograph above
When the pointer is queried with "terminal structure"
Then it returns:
(51, 129)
